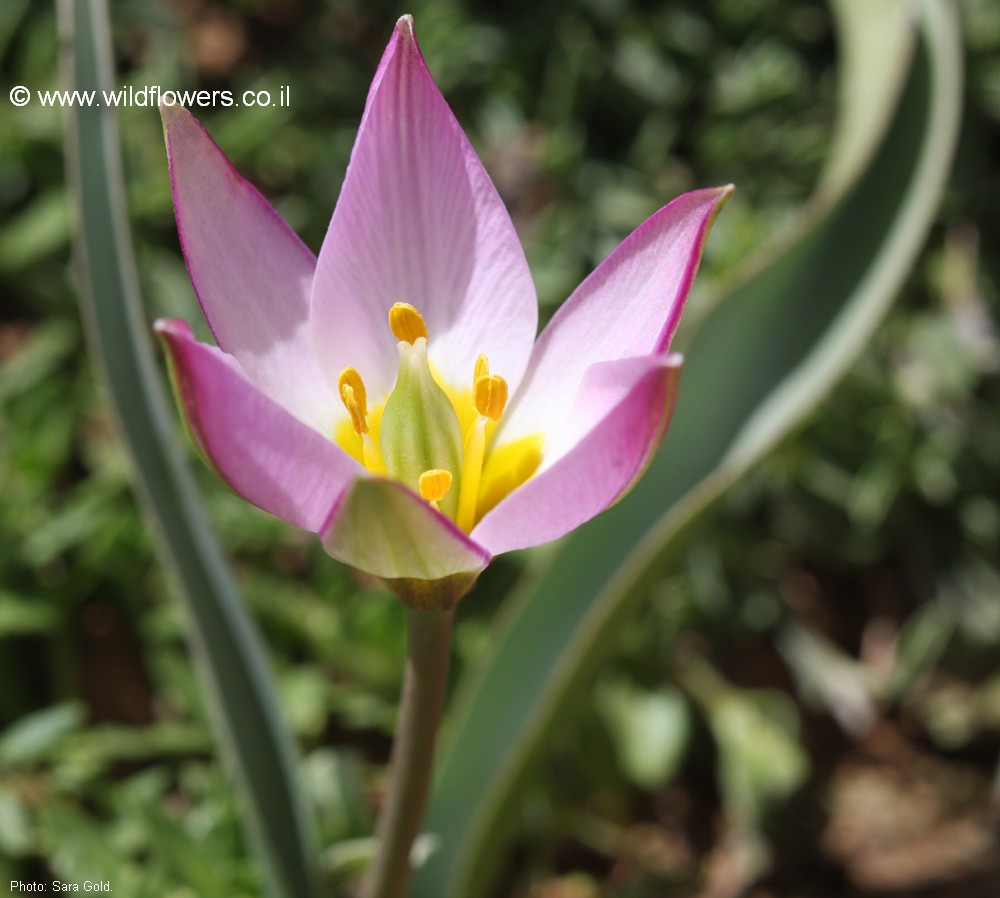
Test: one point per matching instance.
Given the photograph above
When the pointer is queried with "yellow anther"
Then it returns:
(354, 408)
(490, 394)
(434, 484)
(349, 377)
(482, 367)
(355, 398)
(406, 323)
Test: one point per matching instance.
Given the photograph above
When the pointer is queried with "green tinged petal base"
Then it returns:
(432, 595)
(381, 527)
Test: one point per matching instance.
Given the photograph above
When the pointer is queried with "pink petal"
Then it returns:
(250, 271)
(265, 454)
(629, 306)
(419, 221)
(382, 527)
(616, 422)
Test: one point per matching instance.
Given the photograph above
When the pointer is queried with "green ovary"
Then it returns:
(419, 427)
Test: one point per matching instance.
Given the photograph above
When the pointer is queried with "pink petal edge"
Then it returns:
(629, 306)
(250, 271)
(260, 450)
(596, 459)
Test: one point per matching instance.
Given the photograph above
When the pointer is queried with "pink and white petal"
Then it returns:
(250, 271)
(382, 527)
(629, 306)
(617, 421)
(259, 449)
(419, 221)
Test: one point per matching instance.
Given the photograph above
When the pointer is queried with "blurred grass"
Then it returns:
(876, 528)
(249, 730)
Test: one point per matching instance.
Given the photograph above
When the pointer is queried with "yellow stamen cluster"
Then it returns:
(489, 397)
(406, 323)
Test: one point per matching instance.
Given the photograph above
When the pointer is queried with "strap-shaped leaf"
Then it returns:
(759, 362)
(229, 657)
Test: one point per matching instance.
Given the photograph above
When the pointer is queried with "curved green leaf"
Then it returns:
(230, 659)
(760, 360)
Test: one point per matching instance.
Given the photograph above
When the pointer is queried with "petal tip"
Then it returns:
(172, 328)
(172, 113)
(404, 27)
(724, 194)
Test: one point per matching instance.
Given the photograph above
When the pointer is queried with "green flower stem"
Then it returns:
(424, 687)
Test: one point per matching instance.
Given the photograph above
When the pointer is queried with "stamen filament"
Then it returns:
(489, 395)
(372, 456)
(472, 471)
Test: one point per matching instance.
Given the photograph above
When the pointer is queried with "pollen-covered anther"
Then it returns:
(482, 367)
(490, 395)
(355, 398)
(406, 323)
(434, 484)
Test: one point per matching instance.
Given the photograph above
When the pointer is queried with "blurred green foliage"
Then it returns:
(843, 607)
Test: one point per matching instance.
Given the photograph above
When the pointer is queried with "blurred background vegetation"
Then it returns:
(845, 602)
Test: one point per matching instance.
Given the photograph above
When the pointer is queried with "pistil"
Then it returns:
(419, 431)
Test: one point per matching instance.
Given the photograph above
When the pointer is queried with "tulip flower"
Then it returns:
(389, 394)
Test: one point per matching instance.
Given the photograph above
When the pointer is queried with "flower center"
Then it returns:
(433, 438)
